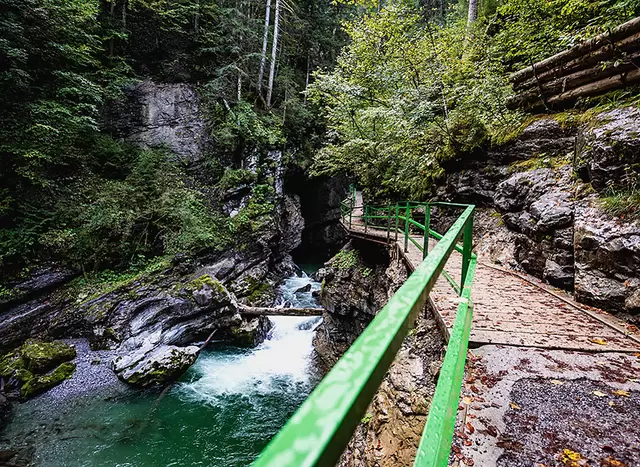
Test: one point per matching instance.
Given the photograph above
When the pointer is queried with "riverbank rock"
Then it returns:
(36, 367)
(154, 367)
(353, 291)
(5, 412)
(544, 187)
(250, 333)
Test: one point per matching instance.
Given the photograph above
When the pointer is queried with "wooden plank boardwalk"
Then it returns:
(510, 308)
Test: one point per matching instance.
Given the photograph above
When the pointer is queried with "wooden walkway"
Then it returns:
(511, 308)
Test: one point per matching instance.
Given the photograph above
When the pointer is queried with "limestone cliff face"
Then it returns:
(163, 114)
(353, 292)
(544, 190)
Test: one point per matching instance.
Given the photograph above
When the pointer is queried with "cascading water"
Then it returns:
(222, 413)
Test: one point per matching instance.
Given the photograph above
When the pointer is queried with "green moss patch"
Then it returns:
(40, 357)
(41, 383)
(29, 367)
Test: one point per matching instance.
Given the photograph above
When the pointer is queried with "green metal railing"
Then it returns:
(318, 432)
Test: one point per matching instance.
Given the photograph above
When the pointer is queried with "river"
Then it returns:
(221, 413)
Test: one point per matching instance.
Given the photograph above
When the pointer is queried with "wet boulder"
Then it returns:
(158, 366)
(251, 332)
(37, 367)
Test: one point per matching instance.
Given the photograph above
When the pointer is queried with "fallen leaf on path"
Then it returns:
(611, 462)
(572, 459)
(599, 393)
(470, 428)
(597, 340)
(514, 406)
(557, 381)
(620, 392)
(468, 461)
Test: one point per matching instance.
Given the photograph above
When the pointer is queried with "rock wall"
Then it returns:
(353, 292)
(162, 114)
(545, 188)
(320, 200)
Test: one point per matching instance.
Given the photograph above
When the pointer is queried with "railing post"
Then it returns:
(397, 220)
(467, 243)
(388, 222)
(427, 221)
(366, 215)
(351, 215)
(407, 213)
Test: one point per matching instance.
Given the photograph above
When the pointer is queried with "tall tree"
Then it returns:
(473, 12)
(274, 50)
(265, 40)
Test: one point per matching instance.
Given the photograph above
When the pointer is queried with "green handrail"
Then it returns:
(318, 432)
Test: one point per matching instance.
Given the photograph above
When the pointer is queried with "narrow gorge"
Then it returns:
(306, 233)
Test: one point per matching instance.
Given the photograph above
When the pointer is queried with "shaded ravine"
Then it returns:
(222, 412)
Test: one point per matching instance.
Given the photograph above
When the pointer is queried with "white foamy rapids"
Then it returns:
(288, 295)
(280, 363)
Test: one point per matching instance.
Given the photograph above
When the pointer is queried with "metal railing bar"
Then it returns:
(318, 432)
(435, 444)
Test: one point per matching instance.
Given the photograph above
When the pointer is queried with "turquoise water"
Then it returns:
(222, 413)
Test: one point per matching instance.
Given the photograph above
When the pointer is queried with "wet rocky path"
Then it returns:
(548, 382)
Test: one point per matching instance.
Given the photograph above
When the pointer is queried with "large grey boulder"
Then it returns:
(608, 149)
(155, 366)
(607, 259)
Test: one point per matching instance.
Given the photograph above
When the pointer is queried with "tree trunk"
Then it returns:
(239, 96)
(111, 40)
(265, 40)
(260, 311)
(623, 31)
(599, 85)
(473, 12)
(607, 53)
(274, 50)
(196, 18)
(563, 84)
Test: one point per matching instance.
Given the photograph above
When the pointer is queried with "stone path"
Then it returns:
(548, 382)
(512, 309)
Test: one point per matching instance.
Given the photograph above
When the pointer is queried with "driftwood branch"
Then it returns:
(261, 311)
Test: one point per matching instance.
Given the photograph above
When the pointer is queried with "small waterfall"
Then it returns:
(280, 363)
(221, 414)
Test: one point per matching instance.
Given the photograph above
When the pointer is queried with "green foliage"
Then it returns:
(622, 203)
(407, 95)
(256, 215)
(345, 259)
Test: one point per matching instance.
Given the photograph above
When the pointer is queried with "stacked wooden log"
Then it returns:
(606, 62)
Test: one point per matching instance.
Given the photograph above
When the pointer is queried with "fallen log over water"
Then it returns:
(260, 311)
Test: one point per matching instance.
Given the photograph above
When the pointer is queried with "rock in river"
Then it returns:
(159, 366)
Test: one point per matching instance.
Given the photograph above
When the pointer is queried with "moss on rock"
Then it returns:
(26, 369)
(40, 383)
(40, 357)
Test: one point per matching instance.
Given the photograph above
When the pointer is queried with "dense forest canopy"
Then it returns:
(71, 189)
(382, 91)
(414, 89)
